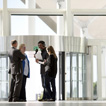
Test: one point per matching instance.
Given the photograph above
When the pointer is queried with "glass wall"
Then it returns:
(38, 4)
(75, 76)
(4, 77)
(0, 23)
(1, 3)
(36, 25)
(103, 61)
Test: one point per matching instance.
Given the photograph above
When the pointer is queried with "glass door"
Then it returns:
(75, 79)
(4, 77)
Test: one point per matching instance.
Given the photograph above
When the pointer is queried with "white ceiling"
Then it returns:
(87, 4)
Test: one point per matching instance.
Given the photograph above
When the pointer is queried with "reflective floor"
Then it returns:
(57, 103)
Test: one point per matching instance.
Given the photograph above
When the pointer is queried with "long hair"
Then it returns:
(52, 51)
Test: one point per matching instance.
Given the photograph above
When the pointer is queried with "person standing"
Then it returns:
(44, 54)
(16, 71)
(26, 73)
(51, 71)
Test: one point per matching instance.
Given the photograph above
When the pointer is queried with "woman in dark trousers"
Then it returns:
(51, 71)
(26, 73)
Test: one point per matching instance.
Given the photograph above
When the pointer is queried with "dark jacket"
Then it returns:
(51, 65)
(44, 56)
(15, 61)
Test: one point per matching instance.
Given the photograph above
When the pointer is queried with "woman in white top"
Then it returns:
(26, 73)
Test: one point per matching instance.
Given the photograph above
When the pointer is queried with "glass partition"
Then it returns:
(4, 77)
(0, 23)
(75, 76)
(36, 25)
(38, 4)
(1, 3)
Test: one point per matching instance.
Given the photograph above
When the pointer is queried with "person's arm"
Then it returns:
(20, 55)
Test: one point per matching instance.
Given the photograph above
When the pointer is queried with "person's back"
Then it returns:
(53, 66)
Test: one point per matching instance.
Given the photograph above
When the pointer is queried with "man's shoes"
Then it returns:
(41, 100)
(51, 100)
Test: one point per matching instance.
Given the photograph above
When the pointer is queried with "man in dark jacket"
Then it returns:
(45, 55)
(16, 72)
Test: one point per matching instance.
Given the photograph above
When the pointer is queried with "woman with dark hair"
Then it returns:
(50, 73)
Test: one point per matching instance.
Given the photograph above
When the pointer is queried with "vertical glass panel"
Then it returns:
(74, 89)
(95, 76)
(4, 90)
(0, 90)
(4, 75)
(38, 4)
(80, 89)
(36, 25)
(0, 24)
(68, 76)
(17, 3)
(0, 75)
(1, 3)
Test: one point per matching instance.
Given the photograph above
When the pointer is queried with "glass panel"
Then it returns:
(67, 84)
(88, 4)
(0, 89)
(95, 76)
(1, 3)
(17, 4)
(38, 4)
(80, 89)
(36, 25)
(74, 89)
(0, 24)
(5, 76)
(4, 91)
(67, 77)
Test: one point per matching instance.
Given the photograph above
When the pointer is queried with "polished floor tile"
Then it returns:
(57, 103)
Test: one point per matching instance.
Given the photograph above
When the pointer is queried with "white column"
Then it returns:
(6, 21)
(99, 76)
(69, 19)
(60, 20)
(31, 19)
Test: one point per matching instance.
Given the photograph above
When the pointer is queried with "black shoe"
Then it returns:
(51, 100)
(23, 100)
(41, 100)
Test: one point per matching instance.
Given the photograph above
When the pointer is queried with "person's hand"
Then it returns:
(37, 60)
(45, 61)
(34, 56)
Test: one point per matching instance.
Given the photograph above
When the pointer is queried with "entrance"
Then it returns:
(75, 79)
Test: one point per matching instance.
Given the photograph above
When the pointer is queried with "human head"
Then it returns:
(41, 45)
(22, 48)
(14, 43)
(51, 50)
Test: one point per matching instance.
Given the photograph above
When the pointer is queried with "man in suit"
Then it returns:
(44, 54)
(16, 71)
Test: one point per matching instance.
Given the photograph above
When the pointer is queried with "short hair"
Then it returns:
(21, 46)
(13, 42)
(42, 42)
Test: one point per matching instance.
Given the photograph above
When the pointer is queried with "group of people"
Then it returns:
(20, 71)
